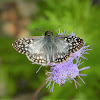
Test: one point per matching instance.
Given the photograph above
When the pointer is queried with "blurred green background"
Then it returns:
(19, 18)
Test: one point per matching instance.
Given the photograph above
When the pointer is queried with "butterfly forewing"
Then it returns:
(22, 45)
(74, 43)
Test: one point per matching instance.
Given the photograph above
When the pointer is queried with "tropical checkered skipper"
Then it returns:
(48, 49)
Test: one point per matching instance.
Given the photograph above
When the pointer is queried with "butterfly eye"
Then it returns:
(48, 33)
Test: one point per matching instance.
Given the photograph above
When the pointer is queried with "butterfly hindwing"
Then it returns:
(39, 56)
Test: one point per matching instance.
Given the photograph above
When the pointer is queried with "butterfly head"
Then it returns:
(48, 33)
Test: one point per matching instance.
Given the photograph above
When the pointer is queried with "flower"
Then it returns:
(67, 70)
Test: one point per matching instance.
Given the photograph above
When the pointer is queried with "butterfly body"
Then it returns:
(48, 49)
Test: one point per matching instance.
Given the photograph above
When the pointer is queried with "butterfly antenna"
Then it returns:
(57, 27)
(39, 30)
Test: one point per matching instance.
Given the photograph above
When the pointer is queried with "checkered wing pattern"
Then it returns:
(33, 48)
(65, 45)
(42, 51)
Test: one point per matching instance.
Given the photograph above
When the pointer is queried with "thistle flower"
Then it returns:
(67, 70)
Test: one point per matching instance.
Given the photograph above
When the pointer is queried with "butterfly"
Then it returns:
(48, 49)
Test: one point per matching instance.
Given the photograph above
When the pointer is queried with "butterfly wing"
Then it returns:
(22, 45)
(33, 47)
(64, 46)
(39, 51)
